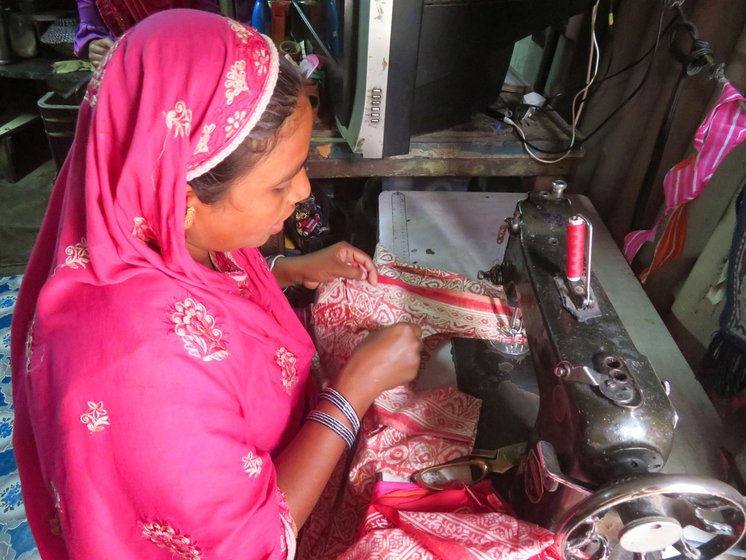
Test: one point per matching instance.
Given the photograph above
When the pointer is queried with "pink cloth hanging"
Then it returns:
(723, 129)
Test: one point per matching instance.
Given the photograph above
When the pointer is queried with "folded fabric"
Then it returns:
(67, 66)
(405, 431)
(404, 521)
(402, 433)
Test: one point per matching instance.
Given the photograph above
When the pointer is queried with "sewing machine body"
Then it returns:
(603, 410)
(604, 434)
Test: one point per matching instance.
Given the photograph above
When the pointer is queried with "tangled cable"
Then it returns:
(700, 54)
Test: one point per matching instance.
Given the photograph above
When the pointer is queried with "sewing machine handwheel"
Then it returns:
(655, 516)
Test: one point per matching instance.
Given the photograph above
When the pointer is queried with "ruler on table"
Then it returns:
(399, 235)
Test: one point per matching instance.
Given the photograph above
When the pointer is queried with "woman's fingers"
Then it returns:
(354, 256)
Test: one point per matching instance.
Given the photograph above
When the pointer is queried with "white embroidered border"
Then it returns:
(290, 541)
(269, 88)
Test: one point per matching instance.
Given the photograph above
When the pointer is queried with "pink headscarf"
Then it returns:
(151, 393)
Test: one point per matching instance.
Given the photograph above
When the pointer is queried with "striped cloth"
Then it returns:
(723, 129)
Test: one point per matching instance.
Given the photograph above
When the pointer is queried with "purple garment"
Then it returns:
(92, 27)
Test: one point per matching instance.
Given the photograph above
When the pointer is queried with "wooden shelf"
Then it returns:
(482, 147)
(40, 68)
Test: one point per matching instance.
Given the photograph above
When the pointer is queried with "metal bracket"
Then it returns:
(588, 308)
(544, 466)
(616, 383)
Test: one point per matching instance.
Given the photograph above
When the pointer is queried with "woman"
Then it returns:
(160, 378)
(101, 21)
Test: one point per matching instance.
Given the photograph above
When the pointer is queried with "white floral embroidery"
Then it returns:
(29, 344)
(234, 123)
(252, 465)
(179, 119)
(56, 495)
(261, 61)
(142, 229)
(168, 538)
(236, 81)
(196, 327)
(286, 361)
(91, 92)
(202, 145)
(288, 536)
(96, 417)
(241, 31)
(77, 255)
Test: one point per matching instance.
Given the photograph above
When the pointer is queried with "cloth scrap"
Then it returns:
(405, 430)
(67, 66)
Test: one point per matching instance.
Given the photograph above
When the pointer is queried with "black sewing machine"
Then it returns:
(597, 424)
(603, 424)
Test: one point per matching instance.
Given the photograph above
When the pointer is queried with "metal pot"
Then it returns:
(23, 39)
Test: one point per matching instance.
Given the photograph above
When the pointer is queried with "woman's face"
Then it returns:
(258, 203)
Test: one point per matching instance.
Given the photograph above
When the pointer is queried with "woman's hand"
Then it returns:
(340, 260)
(97, 49)
(388, 357)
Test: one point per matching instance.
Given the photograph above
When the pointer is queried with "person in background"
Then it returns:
(101, 21)
(161, 380)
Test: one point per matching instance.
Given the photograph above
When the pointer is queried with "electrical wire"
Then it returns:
(607, 76)
(591, 73)
(528, 146)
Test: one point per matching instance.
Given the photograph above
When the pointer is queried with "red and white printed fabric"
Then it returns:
(443, 304)
(405, 431)
(405, 521)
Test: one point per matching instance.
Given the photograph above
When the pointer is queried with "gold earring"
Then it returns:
(189, 218)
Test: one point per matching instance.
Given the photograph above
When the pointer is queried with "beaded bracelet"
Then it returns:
(344, 406)
(334, 425)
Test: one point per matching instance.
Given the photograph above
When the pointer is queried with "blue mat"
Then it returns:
(16, 542)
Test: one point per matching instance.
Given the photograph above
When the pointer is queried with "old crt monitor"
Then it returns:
(403, 67)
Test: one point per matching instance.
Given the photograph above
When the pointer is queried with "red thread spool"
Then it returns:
(575, 248)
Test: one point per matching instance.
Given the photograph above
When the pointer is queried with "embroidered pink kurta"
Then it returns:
(152, 393)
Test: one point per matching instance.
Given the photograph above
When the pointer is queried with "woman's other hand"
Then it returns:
(97, 49)
(387, 358)
(340, 260)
